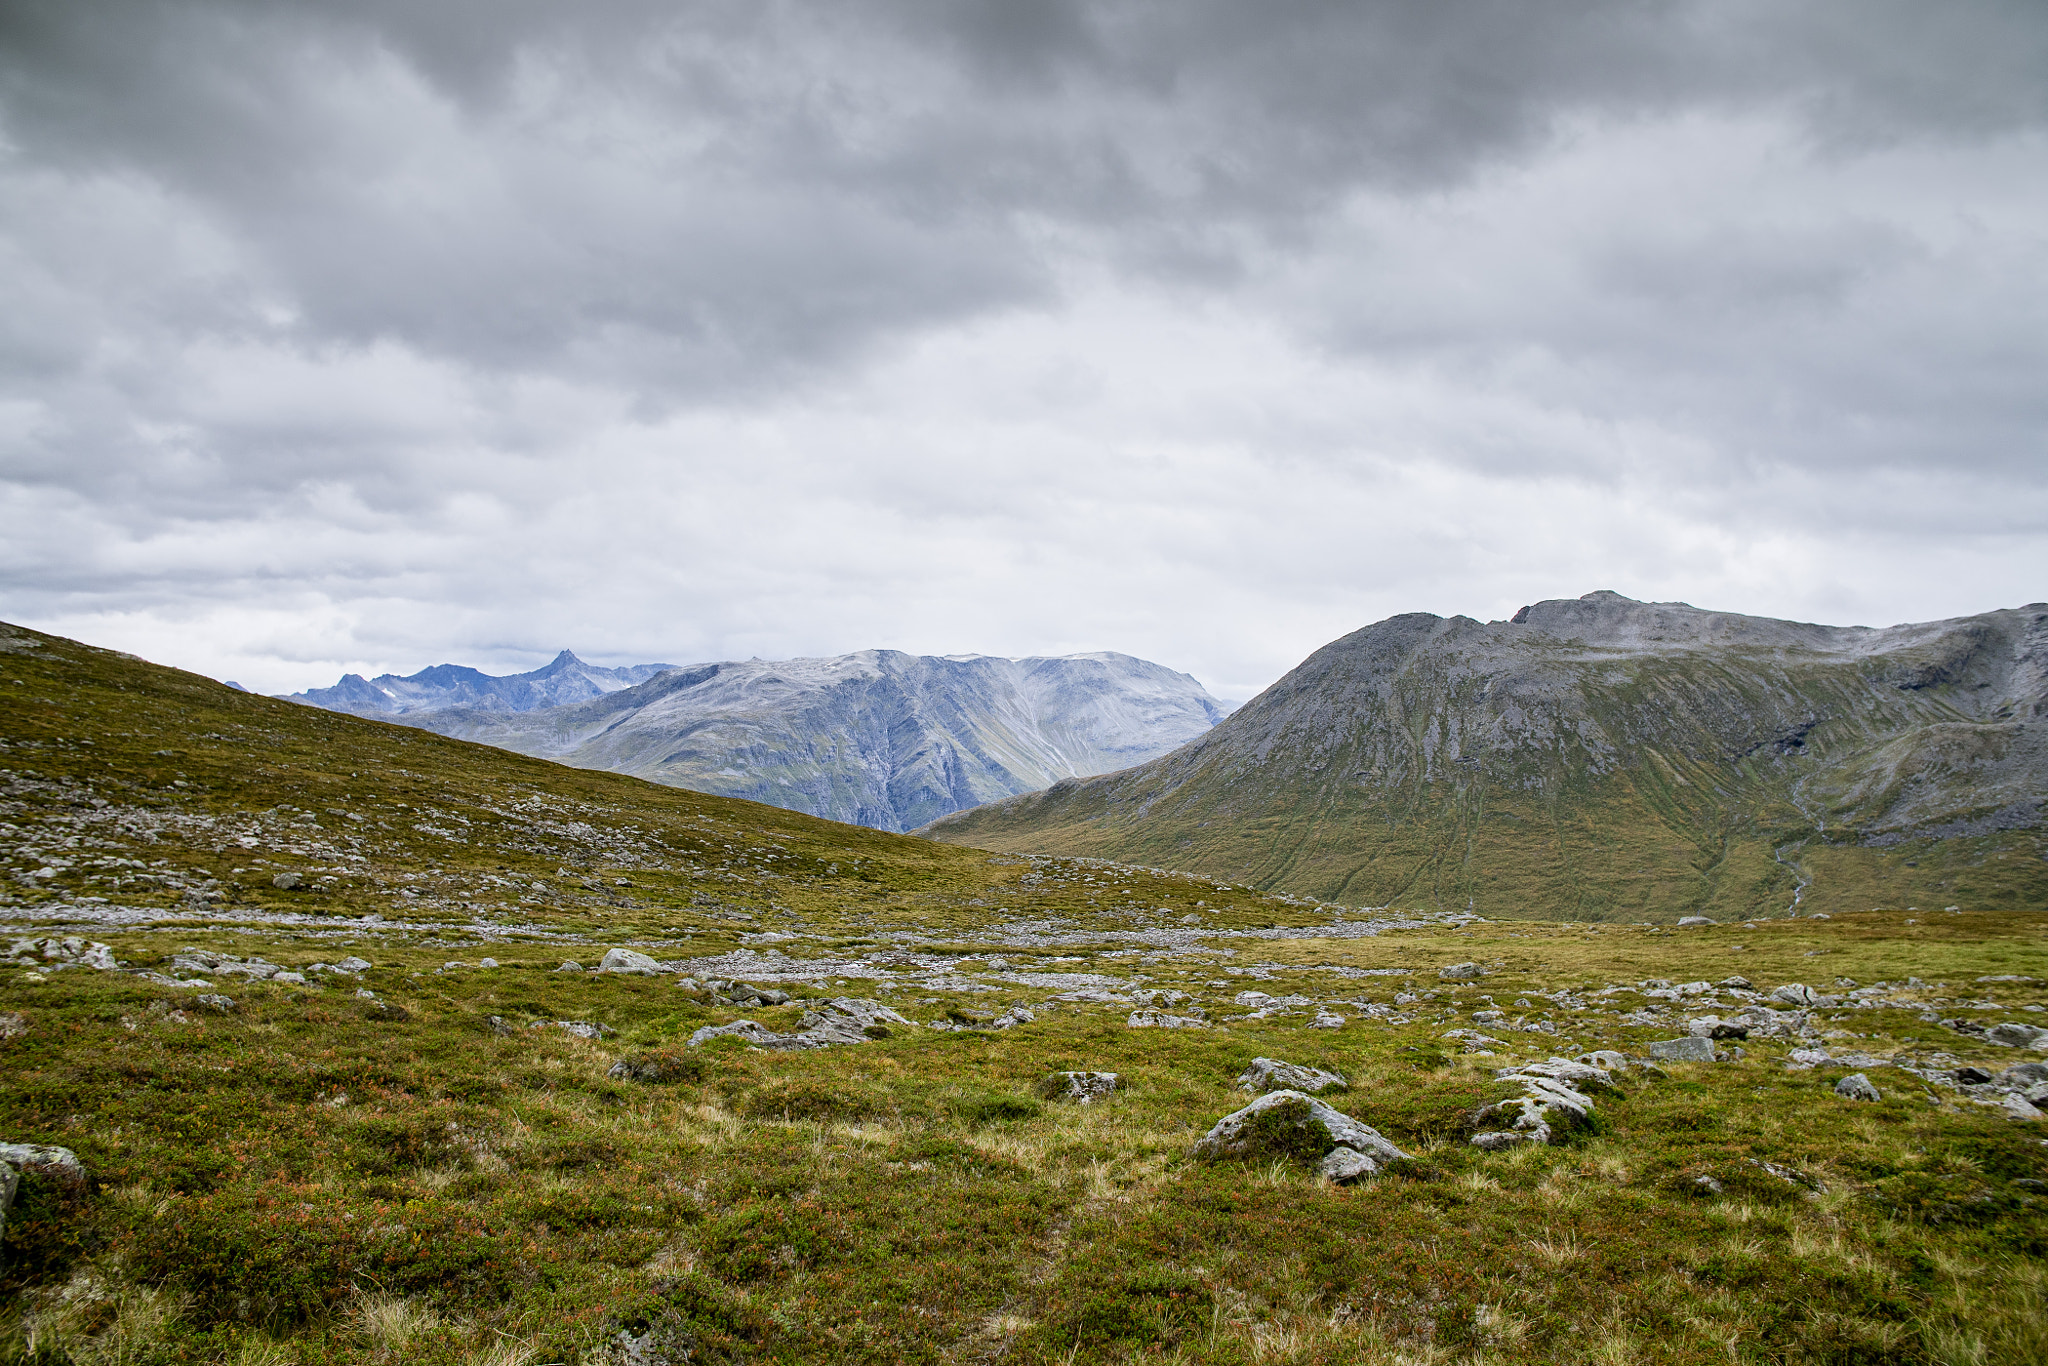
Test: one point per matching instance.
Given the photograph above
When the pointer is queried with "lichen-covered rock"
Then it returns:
(2013, 1034)
(1687, 1049)
(1079, 1087)
(1269, 1074)
(1856, 1086)
(1291, 1121)
(1461, 972)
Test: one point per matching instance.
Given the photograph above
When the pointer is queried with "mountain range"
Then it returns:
(879, 738)
(1600, 758)
(563, 680)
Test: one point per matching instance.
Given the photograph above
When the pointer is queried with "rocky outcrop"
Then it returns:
(838, 1022)
(1551, 1104)
(1291, 1123)
(1268, 1074)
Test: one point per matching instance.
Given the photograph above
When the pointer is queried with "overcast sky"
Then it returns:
(368, 335)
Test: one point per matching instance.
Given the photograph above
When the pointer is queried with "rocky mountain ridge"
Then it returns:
(878, 738)
(563, 680)
(1595, 757)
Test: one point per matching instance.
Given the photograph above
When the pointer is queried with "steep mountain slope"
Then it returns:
(879, 738)
(564, 680)
(1600, 758)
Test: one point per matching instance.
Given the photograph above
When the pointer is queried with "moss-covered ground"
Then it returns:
(420, 1175)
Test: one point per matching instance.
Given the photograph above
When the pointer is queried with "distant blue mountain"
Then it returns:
(440, 687)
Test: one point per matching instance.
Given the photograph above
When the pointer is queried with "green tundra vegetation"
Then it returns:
(368, 1138)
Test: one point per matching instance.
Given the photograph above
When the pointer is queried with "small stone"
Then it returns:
(224, 1004)
(1856, 1086)
(487, 962)
(1687, 1049)
(1461, 972)
(1326, 1020)
(1737, 983)
(353, 964)
(1708, 1184)
(1079, 1087)
(570, 965)
(630, 962)
(288, 882)
(582, 1029)
(12, 1025)
(1798, 994)
(1268, 1074)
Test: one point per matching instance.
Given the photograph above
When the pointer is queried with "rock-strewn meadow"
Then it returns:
(288, 990)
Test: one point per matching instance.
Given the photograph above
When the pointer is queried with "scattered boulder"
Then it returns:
(1326, 1019)
(658, 1068)
(1290, 1122)
(842, 1020)
(1710, 1027)
(2019, 1107)
(12, 1025)
(1159, 1019)
(1686, 920)
(1268, 1074)
(2013, 1034)
(289, 882)
(747, 994)
(1550, 1107)
(353, 964)
(1734, 983)
(1800, 994)
(1606, 1059)
(224, 1004)
(1461, 972)
(1079, 1087)
(1856, 1086)
(1687, 1049)
(630, 962)
(570, 965)
(68, 952)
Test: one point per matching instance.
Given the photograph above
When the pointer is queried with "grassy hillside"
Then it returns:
(1588, 771)
(397, 1165)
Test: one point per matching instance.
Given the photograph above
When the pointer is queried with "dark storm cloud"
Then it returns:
(701, 195)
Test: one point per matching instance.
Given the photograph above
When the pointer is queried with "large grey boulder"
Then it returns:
(1330, 1129)
(1268, 1074)
(1461, 972)
(1856, 1086)
(1687, 1049)
(628, 961)
(2013, 1034)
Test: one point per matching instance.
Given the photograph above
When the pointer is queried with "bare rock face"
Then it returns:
(1295, 1124)
(1369, 764)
